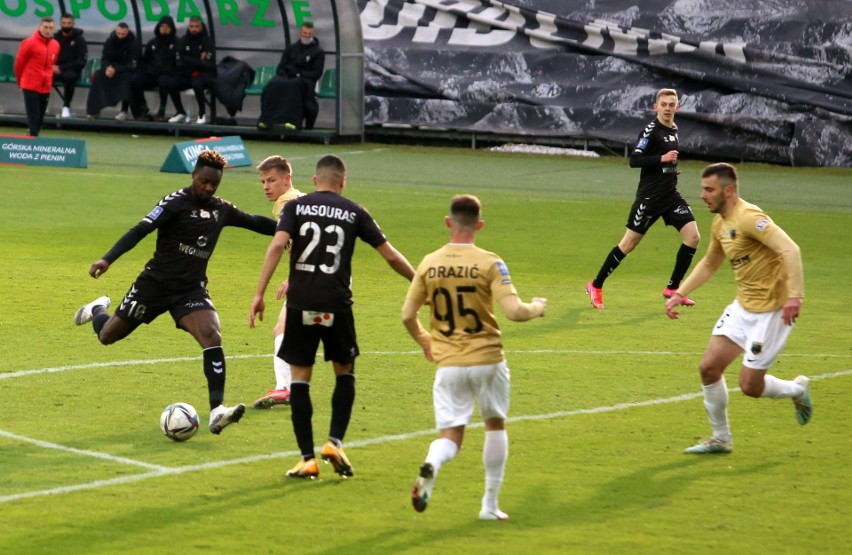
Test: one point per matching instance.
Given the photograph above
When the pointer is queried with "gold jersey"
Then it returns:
(284, 199)
(460, 283)
(756, 248)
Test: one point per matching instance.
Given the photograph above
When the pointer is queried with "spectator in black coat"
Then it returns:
(157, 68)
(290, 98)
(73, 53)
(196, 66)
(111, 83)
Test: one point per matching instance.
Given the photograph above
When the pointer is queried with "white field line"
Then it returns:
(85, 452)
(144, 362)
(166, 471)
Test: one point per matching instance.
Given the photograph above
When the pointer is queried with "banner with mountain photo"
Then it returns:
(758, 80)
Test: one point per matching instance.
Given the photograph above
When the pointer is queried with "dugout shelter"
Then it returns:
(255, 31)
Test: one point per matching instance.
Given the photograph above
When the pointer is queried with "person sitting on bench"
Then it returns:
(290, 98)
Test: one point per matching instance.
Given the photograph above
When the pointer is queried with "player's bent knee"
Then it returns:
(208, 340)
(710, 372)
(106, 338)
(750, 390)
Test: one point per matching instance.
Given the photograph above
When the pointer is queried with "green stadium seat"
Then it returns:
(92, 65)
(262, 75)
(328, 84)
(7, 68)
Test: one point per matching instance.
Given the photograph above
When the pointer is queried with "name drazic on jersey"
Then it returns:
(453, 271)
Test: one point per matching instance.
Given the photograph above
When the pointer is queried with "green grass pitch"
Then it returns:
(603, 402)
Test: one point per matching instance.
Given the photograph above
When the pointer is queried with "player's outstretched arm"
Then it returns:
(672, 303)
(124, 244)
(519, 311)
(790, 310)
(415, 328)
(282, 289)
(99, 268)
(703, 271)
(791, 257)
(396, 260)
(273, 257)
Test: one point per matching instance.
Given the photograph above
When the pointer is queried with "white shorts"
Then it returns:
(456, 388)
(761, 335)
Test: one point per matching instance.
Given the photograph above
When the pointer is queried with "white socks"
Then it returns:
(774, 388)
(716, 404)
(441, 450)
(495, 451)
(281, 368)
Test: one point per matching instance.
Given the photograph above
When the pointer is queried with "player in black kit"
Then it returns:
(324, 226)
(657, 196)
(188, 223)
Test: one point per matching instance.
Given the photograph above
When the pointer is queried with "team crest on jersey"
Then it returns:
(762, 224)
(756, 348)
(732, 233)
(205, 214)
(155, 213)
(201, 241)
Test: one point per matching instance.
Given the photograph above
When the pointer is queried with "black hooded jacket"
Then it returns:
(190, 48)
(304, 61)
(122, 54)
(73, 50)
(160, 54)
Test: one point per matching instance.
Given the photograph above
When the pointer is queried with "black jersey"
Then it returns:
(324, 226)
(187, 232)
(657, 180)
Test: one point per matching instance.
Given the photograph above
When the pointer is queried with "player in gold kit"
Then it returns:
(767, 267)
(276, 176)
(460, 282)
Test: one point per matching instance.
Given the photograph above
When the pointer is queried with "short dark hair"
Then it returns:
(47, 20)
(331, 163)
(723, 172)
(123, 25)
(465, 210)
(308, 24)
(212, 159)
(66, 15)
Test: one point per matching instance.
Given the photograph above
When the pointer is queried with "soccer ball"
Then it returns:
(179, 421)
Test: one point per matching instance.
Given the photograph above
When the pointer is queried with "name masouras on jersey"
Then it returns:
(324, 211)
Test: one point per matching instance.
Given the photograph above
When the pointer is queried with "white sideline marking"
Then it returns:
(141, 362)
(166, 471)
(86, 452)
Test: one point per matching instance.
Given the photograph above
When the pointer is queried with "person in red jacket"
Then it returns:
(34, 72)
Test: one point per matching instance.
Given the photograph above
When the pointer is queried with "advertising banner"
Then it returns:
(43, 151)
(758, 80)
(182, 156)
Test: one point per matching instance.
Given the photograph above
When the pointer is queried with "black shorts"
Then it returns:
(301, 339)
(146, 299)
(675, 211)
